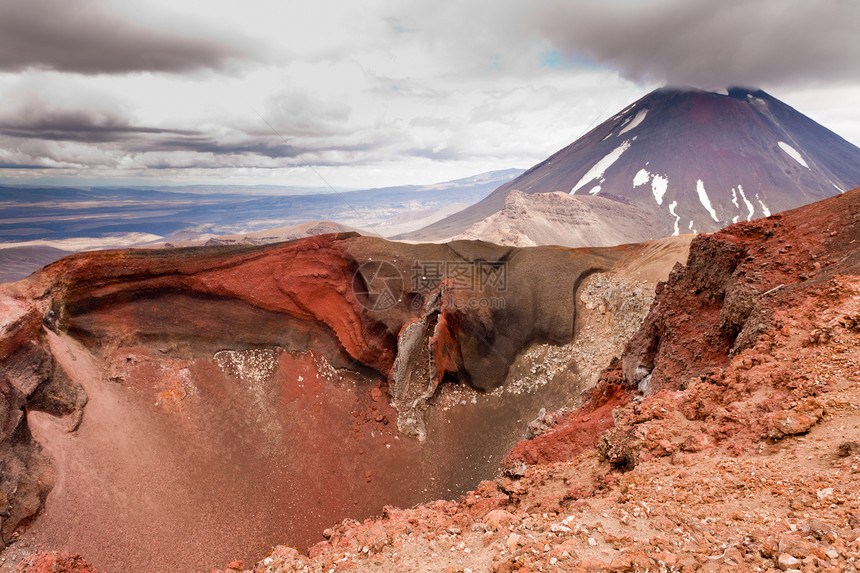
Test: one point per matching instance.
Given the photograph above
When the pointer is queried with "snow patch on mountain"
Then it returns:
(747, 202)
(672, 206)
(793, 153)
(838, 188)
(601, 166)
(659, 183)
(704, 200)
(764, 208)
(640, 117)
(594, 190)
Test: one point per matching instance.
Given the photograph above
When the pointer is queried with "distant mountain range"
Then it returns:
(686, 160)
(42, 224)
(54, 213)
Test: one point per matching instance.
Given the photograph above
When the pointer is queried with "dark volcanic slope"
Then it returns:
(693, 160)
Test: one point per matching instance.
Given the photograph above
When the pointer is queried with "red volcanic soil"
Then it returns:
(712, 310)
(577, 431)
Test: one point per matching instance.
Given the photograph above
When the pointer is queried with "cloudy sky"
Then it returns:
(379, 92)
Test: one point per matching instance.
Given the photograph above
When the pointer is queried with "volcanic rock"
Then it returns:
(54, 563)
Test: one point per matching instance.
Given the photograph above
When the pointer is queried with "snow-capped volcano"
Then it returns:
(691, 160)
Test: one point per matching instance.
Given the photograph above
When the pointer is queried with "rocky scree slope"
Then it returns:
(529, 220)
(741, 453)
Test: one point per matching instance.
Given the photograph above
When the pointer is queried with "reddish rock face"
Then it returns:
(30, 382)
(577, 431)
(709, 311)
(244, 395)
(719, 303)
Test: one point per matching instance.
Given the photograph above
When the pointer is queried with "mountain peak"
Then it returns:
(741, 92)
(733, 92)
(690, 160)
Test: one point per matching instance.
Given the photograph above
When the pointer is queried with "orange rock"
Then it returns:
(54, 563)
(498, 518)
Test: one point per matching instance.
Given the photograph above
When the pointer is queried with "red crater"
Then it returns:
(178, 409)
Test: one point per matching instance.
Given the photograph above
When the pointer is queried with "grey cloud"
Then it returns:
(478, 39)
(39, 121)
(85, 126)
(34, 130)
(100, 127)
(22, 166)
(220, 155)
(441, 155)
(712, 44)
(84, 37)
(265, 145)
(430, 121)
(274, 149)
